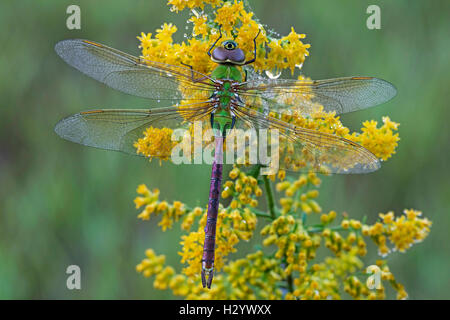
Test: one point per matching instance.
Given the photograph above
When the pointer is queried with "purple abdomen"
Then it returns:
(211, 217)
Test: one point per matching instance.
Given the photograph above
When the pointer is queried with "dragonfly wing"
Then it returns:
(132, 75)
(119, 129)
(341, 95)
(302, 149)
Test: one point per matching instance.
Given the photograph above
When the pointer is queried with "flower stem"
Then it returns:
(270, 202)
(261, 214)
(321, 228)
(254, 172)
(290, 283)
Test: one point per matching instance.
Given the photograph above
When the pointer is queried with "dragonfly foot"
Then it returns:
(207, 277)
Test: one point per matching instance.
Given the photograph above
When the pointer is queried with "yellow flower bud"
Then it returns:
(142, 189)
(281, 175)
(313, 194)
(253, 181)
(326, 232)
(234, 173)
(332, 215)
(225, 194)
(365, 230)
(355, 224)
(345, 224)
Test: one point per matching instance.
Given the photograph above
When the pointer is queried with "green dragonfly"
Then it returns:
(224, 100)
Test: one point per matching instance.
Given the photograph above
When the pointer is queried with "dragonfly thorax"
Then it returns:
(223, 117)
(227, 72)
(225, 95)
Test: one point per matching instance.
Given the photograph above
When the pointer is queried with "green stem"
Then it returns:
(290, 283)
(260, 214)
(270, 202)
(321, 228)
(254, 172)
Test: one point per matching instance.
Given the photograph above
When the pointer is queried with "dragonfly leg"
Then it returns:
(220, 36)
(212, 118)
(192, 73)
(207, 276)
(233, 121)
(233, 117)
(254, 52)
(238, 98)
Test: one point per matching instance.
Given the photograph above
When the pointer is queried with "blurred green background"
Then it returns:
(63, 204)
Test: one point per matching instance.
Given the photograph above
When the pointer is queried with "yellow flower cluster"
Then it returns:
(289, 267)
(323, 280)
(152, 264)
(295, 245)
(273, 55)
(233, 225)
(295, 199)
(402, 231)
(261, 272)
(243, 188)
(381, 141)
(155, 143)
(178, 5)
(150, 200)
(295, 261)
(287, 52)
(236, 23)
(162, 49)
(354, 241)
(254, 277)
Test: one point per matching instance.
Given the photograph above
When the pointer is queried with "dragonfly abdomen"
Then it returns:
(211, 220)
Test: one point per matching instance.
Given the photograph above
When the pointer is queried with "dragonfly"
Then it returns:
(226, 99)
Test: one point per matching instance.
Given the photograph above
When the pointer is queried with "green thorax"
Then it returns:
(227, 71)
(222, 117)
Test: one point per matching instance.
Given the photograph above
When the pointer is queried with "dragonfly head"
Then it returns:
(228, 53)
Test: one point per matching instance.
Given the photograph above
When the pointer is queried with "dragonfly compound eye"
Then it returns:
(224, 55)
(229, 45)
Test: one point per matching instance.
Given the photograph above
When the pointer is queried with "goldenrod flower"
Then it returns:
(289, 267)
(156, 143)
